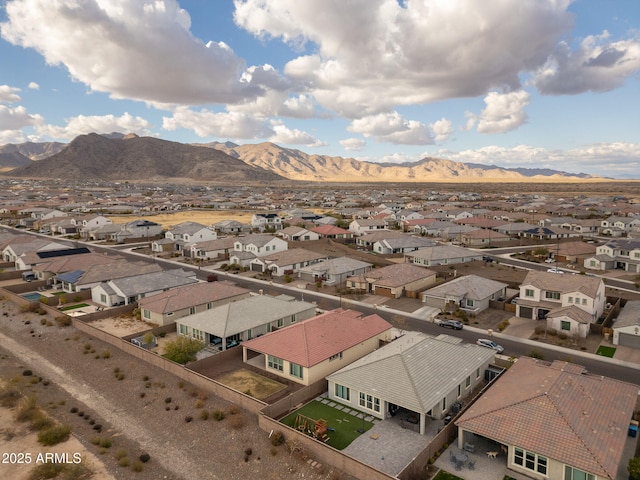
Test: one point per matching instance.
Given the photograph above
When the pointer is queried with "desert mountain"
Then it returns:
(297, 165)
(99, 157)
(10, 160)
(31, 150)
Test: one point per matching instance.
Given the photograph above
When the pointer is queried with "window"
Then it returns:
(570, 299)
(584, 301)
(184, 330)
(280, 322)
(295, 370)
(467, 382)
(552, 295)
(369, 402)
(564, 325)
(103, 298)
(528, 292)
(192, 310)
(530, 461)
(470, 303)
(444, 404)
(293, 319)
(571, 473)
(342, 392)
(198, 334)
(275, 363)
(209, 306)
(337, 356)
(477, 373)
(146, 313)
(459, 390)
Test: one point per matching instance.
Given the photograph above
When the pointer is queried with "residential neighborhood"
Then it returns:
(340, 302)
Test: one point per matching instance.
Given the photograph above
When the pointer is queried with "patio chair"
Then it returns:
(471, 464)
(459, 465)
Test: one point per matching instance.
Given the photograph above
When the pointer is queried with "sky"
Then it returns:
(512, 83)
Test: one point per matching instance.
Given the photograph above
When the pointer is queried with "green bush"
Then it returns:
(183, 350)
(54, 435)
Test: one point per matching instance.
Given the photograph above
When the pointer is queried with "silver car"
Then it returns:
(485, 342)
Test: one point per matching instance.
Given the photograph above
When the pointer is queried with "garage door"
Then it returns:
(384, 292)
(525, 312)
(256, 267)
(629, 340)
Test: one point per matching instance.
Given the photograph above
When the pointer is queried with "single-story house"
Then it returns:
(415, 372)
(166, 307)
(626, 329)
(554, 420)
(306, 352)
(394, 280)
(334, 271)
(441, 255)
(286, 262)
(234, 322)
(471, 293)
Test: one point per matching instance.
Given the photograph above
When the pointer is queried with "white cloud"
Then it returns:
(275, 103)
(503, 112)
(393, 128)
(82, 125)
(134, 49)
(204, 123)
(283, 134)
(442, 130)
(598, 65)
(16, 118)
(9, 94)
(353, 144)
(372, 55)
(34, 86)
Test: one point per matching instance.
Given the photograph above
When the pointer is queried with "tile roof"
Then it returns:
(559, 411)
(190, 295)
(473, 287)
(397, 275)
(563, 283)
(314, 340)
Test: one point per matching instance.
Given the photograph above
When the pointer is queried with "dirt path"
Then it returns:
(171, 458)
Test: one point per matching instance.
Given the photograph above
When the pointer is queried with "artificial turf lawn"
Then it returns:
(606, 351)
(344, 424)
(71, 307)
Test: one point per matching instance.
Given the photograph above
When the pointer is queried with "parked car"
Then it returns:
(555, 270)
(549, 260)
(487, 258)
(455, 324)
(485, 342)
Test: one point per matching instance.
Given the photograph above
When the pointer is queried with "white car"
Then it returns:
(555, 270)
(549, 260)
(485, 342)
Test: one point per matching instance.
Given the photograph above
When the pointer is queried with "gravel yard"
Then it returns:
(142, 409)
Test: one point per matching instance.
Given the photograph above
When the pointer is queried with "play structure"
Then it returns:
(314, 428)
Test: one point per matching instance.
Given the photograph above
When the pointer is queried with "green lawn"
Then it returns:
(71, 307)
(606, 351)
(344, 424)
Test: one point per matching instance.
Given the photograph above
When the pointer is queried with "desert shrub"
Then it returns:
(204, 415)
(123, 461)
(9, 397)
(167, 400)
(120, 453)
(145, 457)
(199, 404)
(145, 378)
(236, 422)
(183, 350)
(106, 354)
(27, 409)
(277, 438)
(43, 321)
(562, 335)
(502, 325)
(120, 376)
(74, 410)
(218, 415)
(536, 354)
(234, 409)
(188, 418)
(540, 330)
(54, 435)
(248, 451)
(41, 422)
(46, 470)
(27, 373)
(274, 451)
(97, 427)
(137, 466)
(63, 321)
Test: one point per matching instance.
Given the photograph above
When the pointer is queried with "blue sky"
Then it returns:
(513, 83)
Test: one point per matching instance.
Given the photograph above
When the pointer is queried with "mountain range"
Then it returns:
(129, 157)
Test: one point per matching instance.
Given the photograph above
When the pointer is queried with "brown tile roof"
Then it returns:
(558, 411)
(563, 283)
(312, 341)
(398, 275)
(190, 296)
(330, 230)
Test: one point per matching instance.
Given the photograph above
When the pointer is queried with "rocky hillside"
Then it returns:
(133, 158)
(297, 165)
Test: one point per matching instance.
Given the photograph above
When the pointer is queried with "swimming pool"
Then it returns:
(33, 296)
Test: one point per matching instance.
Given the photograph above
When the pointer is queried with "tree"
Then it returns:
(183, 349)
(212, 277)
(540, 252)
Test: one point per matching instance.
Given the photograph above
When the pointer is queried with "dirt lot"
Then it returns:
(141, 409)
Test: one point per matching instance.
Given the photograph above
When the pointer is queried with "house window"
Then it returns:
(477, 373)
(571, 473)
(198, 334)
(459, 390)
(337, 356)
(564, 325)
(593, 263)
(293, 319)
(192, 310)
(530, 461)
(209, 306)
(470, 303)
(528, 292)
(369, 402)
(467, 382)
(584, 301)
(570, 299)
(552, 295)
(146, 313)
(342, 392)
(444, 404)
(184, 330)
(280, 322)
(275, 363)
(295, 370)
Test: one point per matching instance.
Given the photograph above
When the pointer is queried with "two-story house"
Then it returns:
(619, 254)
(367, 225)
(569, 303)
(189, 232)
(248, 248)
(266, 221)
